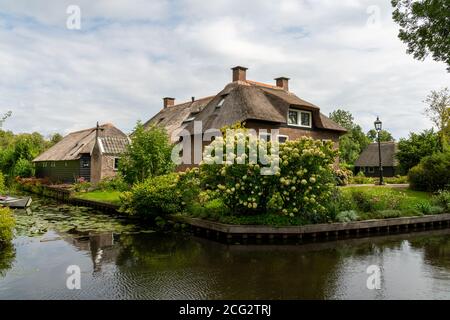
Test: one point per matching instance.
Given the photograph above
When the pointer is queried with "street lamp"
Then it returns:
(378, 126)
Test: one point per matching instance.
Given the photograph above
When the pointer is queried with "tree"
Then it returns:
(424, 27)
(416, 147)
(438, 111)
(385, 136)
(55, 138)
(354, 141)
(148, 155)
(4, 117)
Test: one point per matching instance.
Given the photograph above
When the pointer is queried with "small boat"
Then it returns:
(15, 203)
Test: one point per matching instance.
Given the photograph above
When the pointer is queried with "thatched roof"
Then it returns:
(172, 117)
(370, 158)
(72, 146)
(243, 101)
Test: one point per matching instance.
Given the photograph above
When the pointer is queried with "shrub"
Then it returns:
(424, 207)
(23, 168)
(82, 185)
(301, 182)
(360, 178)
(7, 223)
(347, 216)
(343, 176)
(442, 199)
(432, 173)
(160, 195)
(113, 184)
(2, 183)
(396, 180)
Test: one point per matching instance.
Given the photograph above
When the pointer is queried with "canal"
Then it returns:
(120, 260)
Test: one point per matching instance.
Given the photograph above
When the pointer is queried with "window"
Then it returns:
(220, 104)
(65, 164)
(84, 163)
(53, 164)
(371, 169)
(300, 118)
(116, 163)
(282, 138)
(44, 164)
(265, 136)
(189, 119)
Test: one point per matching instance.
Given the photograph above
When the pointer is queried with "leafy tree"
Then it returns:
(148, 155)
(4, 117)
(424, 27)
(416, 147)
(55, 138)
(354, 141)
(385, 136)
(438, 111)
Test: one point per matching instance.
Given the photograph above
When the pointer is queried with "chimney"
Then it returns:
(283, 83)
(168, 102)
(193, 99)
(239, 73)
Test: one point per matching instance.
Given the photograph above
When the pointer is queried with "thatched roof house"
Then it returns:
(75, 156)
(259, 105)
(368, 161)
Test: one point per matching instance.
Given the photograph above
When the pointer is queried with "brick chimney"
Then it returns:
(283, 83)
(239, 73)
(168, 102)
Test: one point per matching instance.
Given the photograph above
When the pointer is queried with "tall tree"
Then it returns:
(416, 147)
(148, 154)
(385, 135)
(424, 27)
(438, 111)
(354, 141)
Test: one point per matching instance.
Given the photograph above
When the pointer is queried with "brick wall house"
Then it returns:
(262, 107)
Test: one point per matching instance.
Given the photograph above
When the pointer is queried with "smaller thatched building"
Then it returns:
(368, 161)
(91, 154)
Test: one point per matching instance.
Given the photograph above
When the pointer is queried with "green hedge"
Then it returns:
(432, 173)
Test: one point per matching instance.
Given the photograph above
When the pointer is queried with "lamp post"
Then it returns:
(378, 126)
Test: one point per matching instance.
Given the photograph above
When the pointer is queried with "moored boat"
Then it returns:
(15, 203)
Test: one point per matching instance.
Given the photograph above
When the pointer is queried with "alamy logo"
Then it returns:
(73, 282)
(374, 280)
(73, 21)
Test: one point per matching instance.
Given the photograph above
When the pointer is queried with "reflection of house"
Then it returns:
(261, 106)
(368, 161)
(91, 154)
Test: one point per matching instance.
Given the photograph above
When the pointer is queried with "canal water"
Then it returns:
(119, 260)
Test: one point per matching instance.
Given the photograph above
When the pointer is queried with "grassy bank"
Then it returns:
(110, 197)
(351, 204)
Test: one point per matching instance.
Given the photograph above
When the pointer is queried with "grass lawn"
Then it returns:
(111, 197)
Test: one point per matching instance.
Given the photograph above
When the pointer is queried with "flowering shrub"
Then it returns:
(343, 176)
(298, 173)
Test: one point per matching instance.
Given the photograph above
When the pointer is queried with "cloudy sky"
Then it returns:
(129, 54)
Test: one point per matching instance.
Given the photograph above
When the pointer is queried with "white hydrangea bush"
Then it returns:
(247, 173)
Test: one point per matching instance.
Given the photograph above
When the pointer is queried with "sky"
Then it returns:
(127, 55)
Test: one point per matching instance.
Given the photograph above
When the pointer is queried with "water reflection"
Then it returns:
(122, 265)
(7, 255)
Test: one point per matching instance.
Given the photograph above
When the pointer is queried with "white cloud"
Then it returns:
(129, 54)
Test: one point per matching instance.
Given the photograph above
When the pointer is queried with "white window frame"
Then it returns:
(282, 136)
(299, 118)
(265, 134)
(371, 170)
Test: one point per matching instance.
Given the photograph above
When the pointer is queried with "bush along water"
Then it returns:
(301, 181)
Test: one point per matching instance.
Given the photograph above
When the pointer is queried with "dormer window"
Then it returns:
(299, 118)
(189, 119)
(220, 104)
